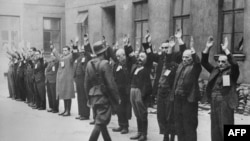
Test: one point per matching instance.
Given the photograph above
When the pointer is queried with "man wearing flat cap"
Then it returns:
(102, 91)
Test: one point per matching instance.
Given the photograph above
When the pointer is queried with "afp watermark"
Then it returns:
(241, 132)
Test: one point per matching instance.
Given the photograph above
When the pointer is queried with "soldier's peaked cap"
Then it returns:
(99, 47)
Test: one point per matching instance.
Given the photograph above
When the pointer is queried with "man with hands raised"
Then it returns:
(221, 88)
(185, 95)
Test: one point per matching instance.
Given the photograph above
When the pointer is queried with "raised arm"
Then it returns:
(205, 54)
(234, 65)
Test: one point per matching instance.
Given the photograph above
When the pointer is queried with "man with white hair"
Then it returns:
(185, 95)
(121, 74)
(221, 89)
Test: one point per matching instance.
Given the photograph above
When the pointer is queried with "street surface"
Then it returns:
(18, 122)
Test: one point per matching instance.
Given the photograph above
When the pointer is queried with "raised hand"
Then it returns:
(209, 44)
(192, 44)
(171, 42)
(225, 44)
(178, 33)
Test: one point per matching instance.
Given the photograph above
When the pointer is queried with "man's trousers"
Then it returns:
(221, 114)
(186, 118)
(140, 110)
(83, 109)
(51, 91)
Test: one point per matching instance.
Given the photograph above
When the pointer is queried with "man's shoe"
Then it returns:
(142, 138)
(62, 113)
(66, 114)
(18, 99)
(137, 136)
(41, 108)
(92, 123)
(50, 110)
(35, 107)
(119, 129)
(79, 117)
(124, 131)
(84, 118)
(54, 111)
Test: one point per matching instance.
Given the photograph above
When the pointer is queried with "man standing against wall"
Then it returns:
(121, 74)
(221, 89)
(39, 76)
(185, 95)
(50, 73)
(79, 68)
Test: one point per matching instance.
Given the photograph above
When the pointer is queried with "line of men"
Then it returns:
(113, 88)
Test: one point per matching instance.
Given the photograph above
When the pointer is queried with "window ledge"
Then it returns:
(238, 57)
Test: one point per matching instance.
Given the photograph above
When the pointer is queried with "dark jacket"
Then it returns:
(170, 61)
(39, 70)
(51, 71)
(121, 74)
(142, 79)
(228, 92)
(190, 81)
(80, 64)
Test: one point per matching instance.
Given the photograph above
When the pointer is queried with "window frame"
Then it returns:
(140, 21)
(182, 16)
(51, 31)
(233, 11)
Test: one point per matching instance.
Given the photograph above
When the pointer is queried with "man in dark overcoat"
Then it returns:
(221, 89)
(121, 74)
(185, 95)
(79, 67)
(169, 61)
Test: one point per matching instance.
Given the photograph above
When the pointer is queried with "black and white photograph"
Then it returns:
(124, 70)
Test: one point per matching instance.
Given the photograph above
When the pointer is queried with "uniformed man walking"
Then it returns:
(102, 91)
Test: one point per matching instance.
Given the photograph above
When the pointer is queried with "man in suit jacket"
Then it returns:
(50, 73)
(79, 67)
(185, 94)
(141, 87)
(168, 62)
(39, 76)
(221, 89)
(121, 74)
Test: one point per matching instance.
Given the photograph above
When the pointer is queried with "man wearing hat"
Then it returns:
(102, 91)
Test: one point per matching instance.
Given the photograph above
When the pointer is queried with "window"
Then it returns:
(51, 33)
(181, 18)
(82, 25)
(9, 31)
(232, 12)
(141, 23)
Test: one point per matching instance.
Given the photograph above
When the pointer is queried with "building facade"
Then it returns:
(38, 22)
(41, 22)
(199, 18)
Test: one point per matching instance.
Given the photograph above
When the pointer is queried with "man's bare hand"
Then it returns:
(225, 44)
(178, 33)
(210, 42)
